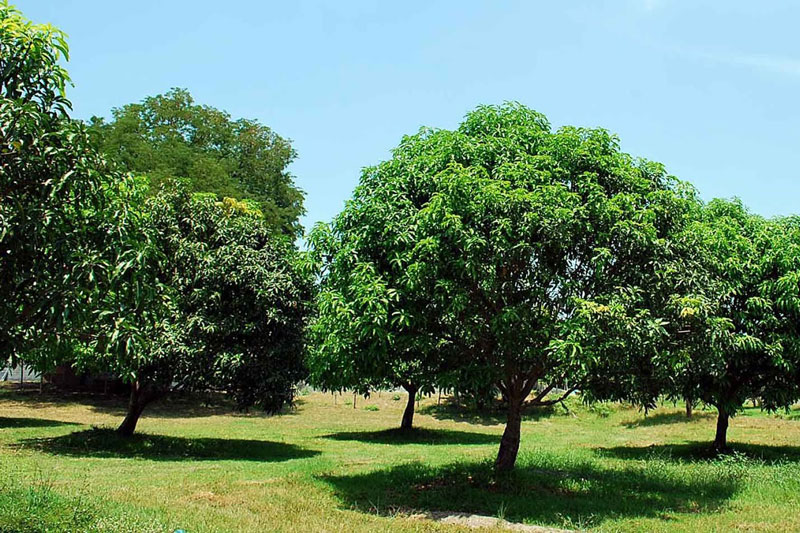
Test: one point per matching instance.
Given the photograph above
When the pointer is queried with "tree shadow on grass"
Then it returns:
(544, 491)
(699, 451)
(174, 405)
(197, 405)
(416, 436)
(489, 417)
(99, 442)
(9, 422)
(667, 418)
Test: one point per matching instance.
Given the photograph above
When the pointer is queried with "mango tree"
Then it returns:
(65, 233)
(374, 329)
(732, 311)
(484, 242)
(231, 311)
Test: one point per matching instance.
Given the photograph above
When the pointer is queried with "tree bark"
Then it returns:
(688, 409)
(509, 444)
(721, 438)
(408, 414)
(138, 401)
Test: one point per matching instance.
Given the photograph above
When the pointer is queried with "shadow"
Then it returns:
(98, 442)
(490, 417)
(667, 418)
(8, 422)
(416, 436)
(174, 405)
(546, 491)
(702, 451)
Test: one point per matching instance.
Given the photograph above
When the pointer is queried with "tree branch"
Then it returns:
(543, 403)
(541, 395)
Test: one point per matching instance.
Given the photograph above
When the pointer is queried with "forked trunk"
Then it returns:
(408, 414)
(138, 401)
(509, 444)
(721, 438)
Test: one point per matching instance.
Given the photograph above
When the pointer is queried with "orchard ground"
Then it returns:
(326, 466)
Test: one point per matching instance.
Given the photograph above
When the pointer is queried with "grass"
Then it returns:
(325, 466)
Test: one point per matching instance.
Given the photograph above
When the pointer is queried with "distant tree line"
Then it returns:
(500, 258)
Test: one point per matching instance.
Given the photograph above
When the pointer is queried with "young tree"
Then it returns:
(496, 232)
(230, 314)
(64, 233)
(169, 136)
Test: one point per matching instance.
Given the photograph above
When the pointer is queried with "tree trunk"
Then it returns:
(721, 439)
(688, 409)
(509, 444)
(408, 414)
(138, 401)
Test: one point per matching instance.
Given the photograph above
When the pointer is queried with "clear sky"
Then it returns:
(708, 88)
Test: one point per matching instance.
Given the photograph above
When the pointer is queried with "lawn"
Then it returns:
(326, 466)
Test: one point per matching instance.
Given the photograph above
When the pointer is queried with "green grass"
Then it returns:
(326, 466)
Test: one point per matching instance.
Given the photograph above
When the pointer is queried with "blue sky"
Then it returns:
(708, 88)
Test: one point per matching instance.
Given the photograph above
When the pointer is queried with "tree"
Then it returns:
(168, 136)
(64, 233)
(231, 312)
(373, 329)
(497, 233)
(733, 317)
(168, 292)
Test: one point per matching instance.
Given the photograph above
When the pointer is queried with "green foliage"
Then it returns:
(69, 257)
(732, 310)
(362, 337)
(602, 410)
(168, 136)
(172, 291)
(232, 308)
(468, 256)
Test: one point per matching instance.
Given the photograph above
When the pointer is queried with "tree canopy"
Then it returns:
(230, 312)
(481, 244)
(169, 136)
(503, 256)
(363, 336)
(731, 310)
(172, 291)
(64, 233)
